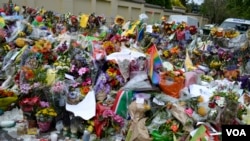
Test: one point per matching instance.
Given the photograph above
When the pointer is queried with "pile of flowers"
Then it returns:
(7, 97)
(220, 32)
(6, 93)
(29, 104)
(50, 69)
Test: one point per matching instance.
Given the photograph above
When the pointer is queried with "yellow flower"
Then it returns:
(200, 99)
(166, 53)
(45, 112)
(202, 111)
(90, 128)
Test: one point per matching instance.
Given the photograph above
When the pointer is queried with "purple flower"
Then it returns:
(36, 84)
(108, 113)
(25, 88)
(120, 79)
(75, 84)
(107, 89)
(44, 104)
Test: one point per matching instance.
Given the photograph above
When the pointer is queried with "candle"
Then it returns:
(53, 137)
(86, 136)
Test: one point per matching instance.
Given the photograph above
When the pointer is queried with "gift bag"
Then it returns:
(171, 83)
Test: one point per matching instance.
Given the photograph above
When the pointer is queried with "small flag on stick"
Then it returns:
(155, 63)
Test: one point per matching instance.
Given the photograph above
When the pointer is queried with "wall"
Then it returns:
(130, 10)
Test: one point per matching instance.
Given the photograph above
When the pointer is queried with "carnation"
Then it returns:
(118, 119)
(108, 113)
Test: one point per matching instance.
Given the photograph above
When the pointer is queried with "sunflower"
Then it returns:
(119, 20)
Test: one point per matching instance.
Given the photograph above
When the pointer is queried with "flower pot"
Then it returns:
(44, 126)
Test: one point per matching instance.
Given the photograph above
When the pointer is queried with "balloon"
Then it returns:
(17, 8)
(39, 19)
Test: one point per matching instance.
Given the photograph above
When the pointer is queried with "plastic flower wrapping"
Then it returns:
(106, 82)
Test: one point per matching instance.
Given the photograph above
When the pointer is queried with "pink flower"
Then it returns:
(58, 87)
(118, 119)
(82, 71)
(217, 97)
(75, 84)
(189, 112)
(44, 104)
(108, 113)
(72, 68)
(86, 82)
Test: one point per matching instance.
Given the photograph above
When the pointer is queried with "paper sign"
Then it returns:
(197, 90)
(86, 109)
(149, 29)
(69, 76)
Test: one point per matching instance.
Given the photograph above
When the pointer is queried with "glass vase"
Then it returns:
(44, 126)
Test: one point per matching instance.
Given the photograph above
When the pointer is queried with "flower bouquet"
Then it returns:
(79, 75)
(44, 118)
(7, 97)
(109, 79)
(28, 104)
(112, 123)
(162, 125)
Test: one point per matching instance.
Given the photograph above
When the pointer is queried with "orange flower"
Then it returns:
(75, 44)
(35, 49)
(9, 93)
(6, 93)
(112, 72)
(109, 47)
(84, 90)
(174, 128)
(29, 74)
(46, 47)
(175, 50)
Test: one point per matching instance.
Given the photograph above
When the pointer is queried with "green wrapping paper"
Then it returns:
(7, 101)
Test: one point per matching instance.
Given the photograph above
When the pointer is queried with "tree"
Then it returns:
(165, 3)
(218, 10)
(184, 2)
(214, 10)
